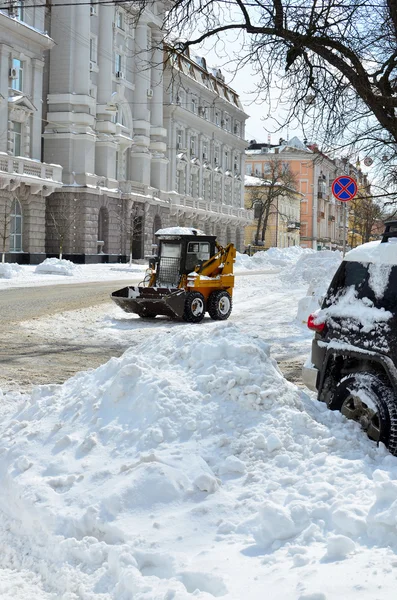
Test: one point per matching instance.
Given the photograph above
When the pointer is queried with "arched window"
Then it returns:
(103, 230)
(16, 226)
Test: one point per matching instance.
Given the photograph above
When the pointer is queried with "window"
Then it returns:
(120, 19)
(257, 210)
(217, 117)
(93, 53)
(248, 169)
(196, 252)
(17, 133)
(17, 83)
(227, 122)
(118, 63)
(16, 227)
(194, 105)
(235, 163)
(205, 149)
(179, 139)
(193, 142)
(20, 11)
(216, 155)
(258, 169)
(226, 159)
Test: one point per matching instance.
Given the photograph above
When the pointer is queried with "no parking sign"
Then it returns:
(344, 188)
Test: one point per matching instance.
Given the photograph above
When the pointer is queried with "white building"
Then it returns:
(25, 181)
(205, 131)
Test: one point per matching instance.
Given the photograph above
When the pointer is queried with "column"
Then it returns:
(37, 94)
(4, 68)
(105, 146)
(158, 134)
(140, 155)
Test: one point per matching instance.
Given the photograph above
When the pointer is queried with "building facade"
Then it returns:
(95, 100)
(283, 225)
(205, 126)
(25, 181)
(323, 219)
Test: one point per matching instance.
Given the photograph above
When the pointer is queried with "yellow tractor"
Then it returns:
(191, 274)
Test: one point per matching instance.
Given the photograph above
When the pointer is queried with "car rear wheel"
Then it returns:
(220, 305)
(194, 307)
(366, 399)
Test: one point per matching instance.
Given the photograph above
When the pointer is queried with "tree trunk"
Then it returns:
(3, 257)
(131, 246)
(266, 219)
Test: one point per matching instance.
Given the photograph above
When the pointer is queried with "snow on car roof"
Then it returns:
(375, 252)
(179, 231)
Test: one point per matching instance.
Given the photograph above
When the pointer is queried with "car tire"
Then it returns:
(219, 305)
(367, 399)
(194, 307)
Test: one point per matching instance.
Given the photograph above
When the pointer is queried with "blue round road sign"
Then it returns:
(344, 188)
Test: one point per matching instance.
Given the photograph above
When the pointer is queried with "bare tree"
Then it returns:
(61, 219)
(5, 222)
(335, 62)
(263, 197)
(366, 214)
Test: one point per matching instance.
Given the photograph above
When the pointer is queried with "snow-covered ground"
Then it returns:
(189, 468)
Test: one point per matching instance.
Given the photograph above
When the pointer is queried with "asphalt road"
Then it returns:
(28, 358)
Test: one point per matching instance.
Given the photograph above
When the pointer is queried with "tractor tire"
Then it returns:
(365, 398)
(219, 305)
(194, 307)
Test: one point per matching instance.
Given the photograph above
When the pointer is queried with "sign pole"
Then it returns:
(344, 188)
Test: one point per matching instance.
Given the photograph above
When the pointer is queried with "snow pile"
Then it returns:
(272, 258)
(10, 270)
(179, 231)
(58, 266)
(190, 468)
(317, 270)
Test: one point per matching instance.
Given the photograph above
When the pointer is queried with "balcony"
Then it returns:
(291, 225)
(331, 218)
(321, 214)
(41, 177)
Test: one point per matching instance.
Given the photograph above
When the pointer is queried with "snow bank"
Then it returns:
(10, 270)
(189, 468)
(58, 266)
(272, 258)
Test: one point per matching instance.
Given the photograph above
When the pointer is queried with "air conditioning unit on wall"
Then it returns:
(120, 75)
(150, 93)
(13, 73)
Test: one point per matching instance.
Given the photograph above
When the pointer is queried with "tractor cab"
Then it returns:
(180, 253)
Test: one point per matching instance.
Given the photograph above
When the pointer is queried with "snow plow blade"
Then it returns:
(149, 302)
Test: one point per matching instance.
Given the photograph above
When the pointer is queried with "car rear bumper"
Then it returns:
(310, 376)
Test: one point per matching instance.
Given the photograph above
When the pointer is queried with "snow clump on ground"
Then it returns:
(58, 266)
(272, 258)
(10, 270)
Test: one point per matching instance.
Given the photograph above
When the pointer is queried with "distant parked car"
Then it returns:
(353, 364)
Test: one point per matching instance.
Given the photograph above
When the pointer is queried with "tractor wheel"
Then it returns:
(365, 398)
(219, 305)
(194, 307)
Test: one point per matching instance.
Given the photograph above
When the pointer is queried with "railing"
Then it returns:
(31, 168)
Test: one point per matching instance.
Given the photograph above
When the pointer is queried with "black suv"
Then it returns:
(353, 364)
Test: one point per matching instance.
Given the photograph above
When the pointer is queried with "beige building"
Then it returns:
(283, 224)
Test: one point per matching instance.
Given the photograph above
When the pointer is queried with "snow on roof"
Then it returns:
(251, 180)
(375, 252)
(180, 231)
